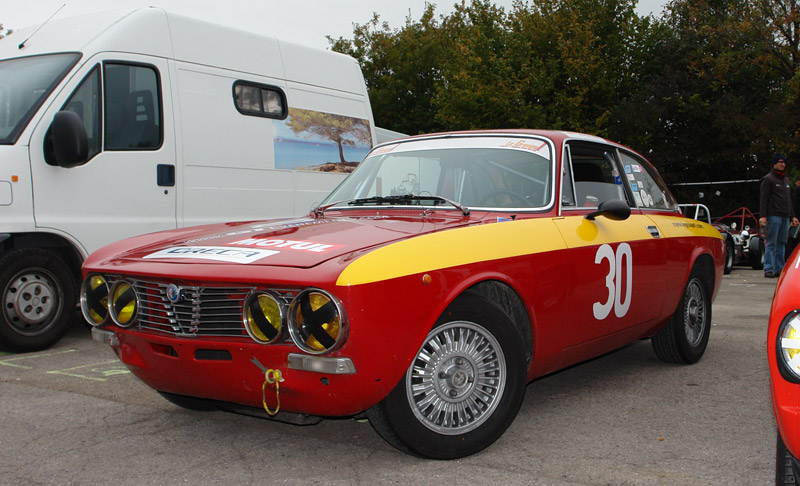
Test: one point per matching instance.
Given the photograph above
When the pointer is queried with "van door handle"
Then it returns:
(165, 175)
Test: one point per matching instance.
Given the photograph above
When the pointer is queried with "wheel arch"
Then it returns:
(63, 247)
(510, 302)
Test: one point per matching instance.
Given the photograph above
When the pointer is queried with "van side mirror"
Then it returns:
(70, 143)
(612, 209)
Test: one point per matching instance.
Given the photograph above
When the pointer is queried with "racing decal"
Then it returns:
(218, 253)
(619, 277)
(529, 145)
(298, 245)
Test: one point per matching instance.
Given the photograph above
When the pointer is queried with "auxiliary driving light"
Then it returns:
(94, 299)
(316, 321)
(123, 304)
(789, 347)
(262, 317)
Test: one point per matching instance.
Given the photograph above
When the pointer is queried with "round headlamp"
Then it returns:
(123, 303)
(789, 347)
(262, 317)
(316, 321)
(94, 299)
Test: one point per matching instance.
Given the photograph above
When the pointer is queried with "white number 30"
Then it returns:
(614, 280)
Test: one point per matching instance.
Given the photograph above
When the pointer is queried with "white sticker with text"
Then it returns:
(218, 253)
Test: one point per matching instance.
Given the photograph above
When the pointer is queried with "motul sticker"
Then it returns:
(218, 253)
(297, 245)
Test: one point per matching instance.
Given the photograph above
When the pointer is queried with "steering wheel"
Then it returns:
(514, 196)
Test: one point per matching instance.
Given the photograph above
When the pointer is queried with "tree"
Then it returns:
(343, 130)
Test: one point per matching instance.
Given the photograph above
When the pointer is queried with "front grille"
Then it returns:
(200, 311)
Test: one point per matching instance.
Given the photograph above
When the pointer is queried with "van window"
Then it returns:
(133, 107)
(85, 102)
(260, 100)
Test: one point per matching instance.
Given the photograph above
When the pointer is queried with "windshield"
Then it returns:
(475, 172)
(24, 85)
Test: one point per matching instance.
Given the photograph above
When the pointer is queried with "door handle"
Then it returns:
(165, 175)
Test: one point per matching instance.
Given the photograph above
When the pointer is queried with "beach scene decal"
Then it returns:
(324, 142)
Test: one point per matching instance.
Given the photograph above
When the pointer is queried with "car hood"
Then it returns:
(302, 243)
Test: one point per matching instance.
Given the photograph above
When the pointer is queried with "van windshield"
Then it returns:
(25, 83)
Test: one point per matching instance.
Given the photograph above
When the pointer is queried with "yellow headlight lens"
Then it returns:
(123, 303)
(789, 344)
(94, 299)
(262, 317)
(316, 321)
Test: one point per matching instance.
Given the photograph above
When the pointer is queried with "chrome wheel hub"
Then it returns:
(694, 318)
(457, 378)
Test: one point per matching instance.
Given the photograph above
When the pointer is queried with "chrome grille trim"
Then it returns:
(202, 310)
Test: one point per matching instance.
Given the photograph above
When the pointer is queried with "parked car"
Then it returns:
(748, 243)
(429, 287)
(783, 352)
(700, 212)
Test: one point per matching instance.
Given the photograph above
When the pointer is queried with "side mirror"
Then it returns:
(69, 138)
(612, 209)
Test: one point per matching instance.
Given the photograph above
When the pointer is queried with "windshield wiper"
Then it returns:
(401, 198)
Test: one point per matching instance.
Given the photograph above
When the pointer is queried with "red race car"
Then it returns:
(783, 351)
(426, 291)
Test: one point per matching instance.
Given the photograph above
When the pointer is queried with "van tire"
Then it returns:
(38, 295)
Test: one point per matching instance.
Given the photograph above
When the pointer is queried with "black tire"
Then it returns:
(787, 468)
(38, 293)
(756, 253)
(451, 376)
(685, 337)
(189, 403)
(728, 256)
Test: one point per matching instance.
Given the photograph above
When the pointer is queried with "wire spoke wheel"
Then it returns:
(694, 313)
(457, 378)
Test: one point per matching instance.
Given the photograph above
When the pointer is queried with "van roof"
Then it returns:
(156, 32)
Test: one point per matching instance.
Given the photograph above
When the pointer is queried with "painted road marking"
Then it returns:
(7, 361)
(96, 371)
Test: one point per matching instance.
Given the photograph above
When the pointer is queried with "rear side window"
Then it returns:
(260, 100)
(648, 189)
(133, 107)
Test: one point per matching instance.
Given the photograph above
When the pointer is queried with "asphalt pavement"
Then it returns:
(73, 415)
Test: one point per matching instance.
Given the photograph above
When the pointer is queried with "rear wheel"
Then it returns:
(756, 253)
(728, 256)
(38, 299)
(463, 388)
(685, 337)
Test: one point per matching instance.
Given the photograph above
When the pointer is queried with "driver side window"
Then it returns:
(595, 175)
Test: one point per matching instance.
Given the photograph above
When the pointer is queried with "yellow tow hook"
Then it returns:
(272, 377)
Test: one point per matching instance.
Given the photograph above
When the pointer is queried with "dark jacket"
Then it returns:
(776, 196)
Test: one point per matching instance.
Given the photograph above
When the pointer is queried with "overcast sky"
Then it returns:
(301, 21)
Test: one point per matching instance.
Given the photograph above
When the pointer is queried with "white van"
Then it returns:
(122, 123)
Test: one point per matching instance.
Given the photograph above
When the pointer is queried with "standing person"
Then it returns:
(775, 214)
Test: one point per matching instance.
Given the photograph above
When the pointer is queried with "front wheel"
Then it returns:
(685, 337)
(38, 299)
(463, 388)
(787, 468)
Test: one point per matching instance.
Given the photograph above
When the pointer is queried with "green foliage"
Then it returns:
(343, 130)
(707, 92)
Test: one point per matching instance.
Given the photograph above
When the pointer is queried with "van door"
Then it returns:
(127, 187)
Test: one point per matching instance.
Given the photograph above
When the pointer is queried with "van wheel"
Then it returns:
(685, 337)
(463, 388)
(38, 296)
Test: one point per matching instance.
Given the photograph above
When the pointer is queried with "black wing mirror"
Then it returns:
(70, 143)
(615, 209)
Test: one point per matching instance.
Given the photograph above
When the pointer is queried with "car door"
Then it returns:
(127, 187)
(614, 265)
